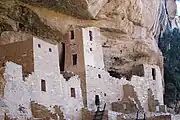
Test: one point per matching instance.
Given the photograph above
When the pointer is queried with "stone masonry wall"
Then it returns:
(110, 89)
(75, 46)
(158, 82)
(46, 58)
(20, 53)
(19, 93)
(2, 81)
(93, 53)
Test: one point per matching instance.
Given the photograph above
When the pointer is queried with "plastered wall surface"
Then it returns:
(94, 57)
(45, 61)
(101, 86)
(16, 92)
(113, 115)
(19, 92)
(158, 82)
(113, 88)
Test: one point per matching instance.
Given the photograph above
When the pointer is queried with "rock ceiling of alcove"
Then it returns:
(16, 17)
(122, 16)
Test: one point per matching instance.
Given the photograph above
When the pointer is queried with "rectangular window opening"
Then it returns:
(39, 45)
(73, 93)
(154, 73)
(72, 34)
(62, 57)
(75, 59)
(50, 50)
(125, 107)
(99, 76)
(43, 85)
(90, 35)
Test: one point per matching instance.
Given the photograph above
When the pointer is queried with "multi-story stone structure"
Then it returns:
(69, 76)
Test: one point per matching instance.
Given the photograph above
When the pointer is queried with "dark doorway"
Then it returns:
(97, 101)
(62, 60)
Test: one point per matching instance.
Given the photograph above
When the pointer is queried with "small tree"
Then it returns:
(170, 47)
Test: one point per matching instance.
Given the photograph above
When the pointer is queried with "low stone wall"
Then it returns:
(162, 117)
(19, 94)
(41, 112)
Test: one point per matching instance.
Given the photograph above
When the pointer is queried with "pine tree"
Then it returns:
(170, 47)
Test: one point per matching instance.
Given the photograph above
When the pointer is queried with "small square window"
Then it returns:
(43, 85)
(39, 45)
(73, 92)
(120, 51)
(99, 76)
(50, 50)
(90, 49)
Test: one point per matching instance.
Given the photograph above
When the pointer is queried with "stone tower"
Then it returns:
(82, 49)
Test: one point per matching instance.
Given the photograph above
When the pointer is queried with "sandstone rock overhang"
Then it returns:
(85, 9)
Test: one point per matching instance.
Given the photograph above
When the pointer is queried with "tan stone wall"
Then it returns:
(20, 53)
(132, 105)
(151, 101)
(41, 112)
(162, 117)
(136, 70)
(75, 46)
(2, 81)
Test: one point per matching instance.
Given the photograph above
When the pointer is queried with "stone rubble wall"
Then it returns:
(21, 93)
(158, 82)
(110, 89)
(58, 92)
(113, 115)
(176, 117)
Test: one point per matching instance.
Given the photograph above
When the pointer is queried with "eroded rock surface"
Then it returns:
(130, 27)
(171, 8)
(78, 8)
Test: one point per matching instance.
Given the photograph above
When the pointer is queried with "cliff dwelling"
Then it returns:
(71, 75)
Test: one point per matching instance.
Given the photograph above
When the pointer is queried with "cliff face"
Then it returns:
(129, 27)
(171, 8)
(176, 22)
